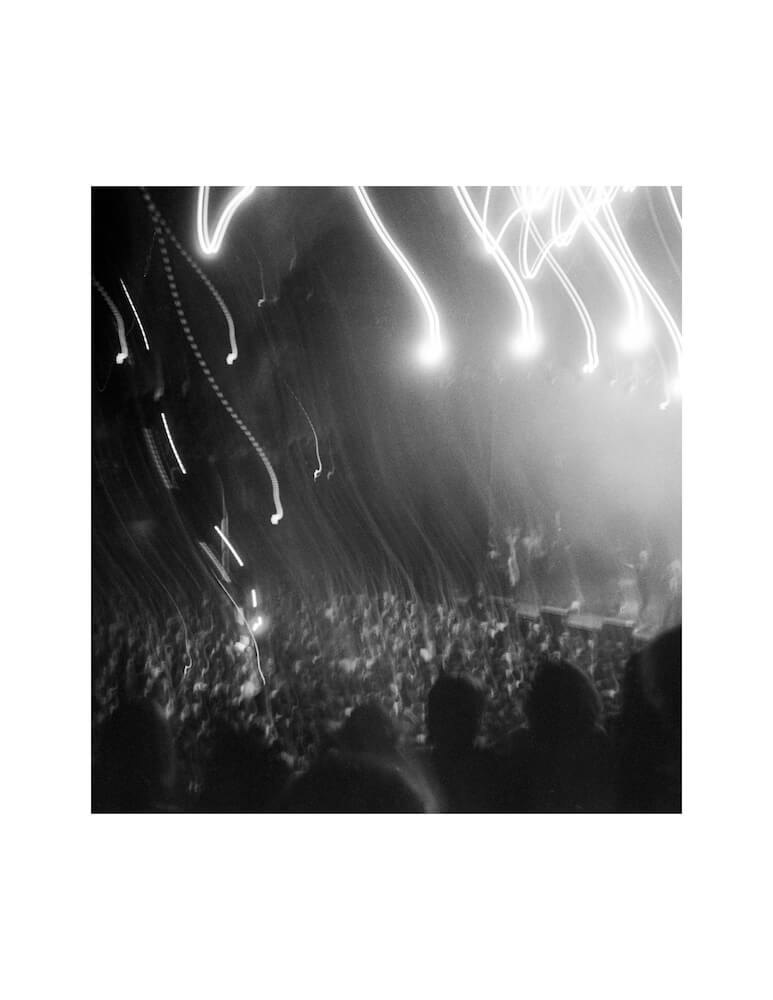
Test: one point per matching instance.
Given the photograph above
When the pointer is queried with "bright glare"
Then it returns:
(431, 354)
(526, 347)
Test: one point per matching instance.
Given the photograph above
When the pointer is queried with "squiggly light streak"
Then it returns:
(211, 244)
(236, 555)
(159, 224)
(171, 442)
(528, 342)
(249, 629)
(123, 354)
(672, 199)
(433, 351)
(136, 315)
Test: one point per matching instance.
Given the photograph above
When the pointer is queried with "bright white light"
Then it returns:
(434, 340)
(634, 338)
(254, 598)
(523, 348)
(233, 550)
(211, 244)
(258, 623)
(171, 442)
(136, 314)
(430, 355)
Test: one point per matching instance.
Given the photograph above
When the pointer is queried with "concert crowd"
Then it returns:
(368, 704)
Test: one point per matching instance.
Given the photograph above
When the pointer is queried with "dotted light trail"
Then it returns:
(136, 314)
(236, 555)
(433, 350)
(171, 442)
(276, 517)
(123, 354)
(161, 221)
(210, 245)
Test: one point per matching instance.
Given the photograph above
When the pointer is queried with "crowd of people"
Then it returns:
(364, 703)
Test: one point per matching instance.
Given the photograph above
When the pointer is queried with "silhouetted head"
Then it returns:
(243, 774)
(454, 712)
(369, 730)
(342, 783)
(650, 727)
(562, 702)
(135, 760)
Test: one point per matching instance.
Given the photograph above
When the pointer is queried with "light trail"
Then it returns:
(123, 354)
(668, 320)
(236, 555)
(210, 245)
(171, 442)
(318, 470)
(433, 350)
(159, 224)
(634, 330)
(136, 314)
(161, 221)
(528, 343)
(254, 598)
(672, 199)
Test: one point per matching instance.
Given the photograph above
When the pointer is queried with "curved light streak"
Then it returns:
(634, 329)
(136, 314)
(318, 470)
(433, 350)
(159, 224)
(210, 244)
(528, 342)
(668, 320)
(171, 442)
(123, 354)
(672, 199)
(234, 352)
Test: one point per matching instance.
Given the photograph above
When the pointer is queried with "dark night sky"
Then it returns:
(419, 459)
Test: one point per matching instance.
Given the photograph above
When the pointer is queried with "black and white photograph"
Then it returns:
(386, 499)
(386, 416)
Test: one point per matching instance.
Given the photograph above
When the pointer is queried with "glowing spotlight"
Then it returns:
(431, 354)
(634, 337)
(258, 623)
(259, 626)
(526, 347)
(236, 555)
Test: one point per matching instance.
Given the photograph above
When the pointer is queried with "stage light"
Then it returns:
(431, 354)
(433, 333)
